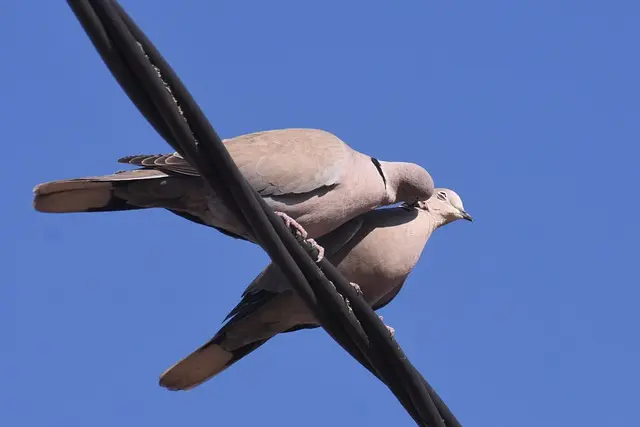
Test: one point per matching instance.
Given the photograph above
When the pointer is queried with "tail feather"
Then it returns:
(203, 364)
(90, 194)
(78, 197)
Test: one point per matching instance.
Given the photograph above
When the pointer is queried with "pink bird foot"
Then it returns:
(300, 232)
(317, 247)
(293, 224)
(356, 288)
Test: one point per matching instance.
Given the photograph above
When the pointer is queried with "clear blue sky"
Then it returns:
(528, 109)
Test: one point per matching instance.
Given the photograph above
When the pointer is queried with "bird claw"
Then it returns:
(301, 233)
(317, 247)
(348, 303)
(293, 224)
(392, 331)
(356, 288)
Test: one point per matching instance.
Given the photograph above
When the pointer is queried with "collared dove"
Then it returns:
(310, 177)
(376, 250)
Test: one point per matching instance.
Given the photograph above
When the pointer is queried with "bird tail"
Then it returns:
(204, 363)
(91, 194)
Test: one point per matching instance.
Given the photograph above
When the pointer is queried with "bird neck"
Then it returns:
(397, 176)
(435, 220)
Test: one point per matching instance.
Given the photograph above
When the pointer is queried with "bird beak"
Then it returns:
(466, 216)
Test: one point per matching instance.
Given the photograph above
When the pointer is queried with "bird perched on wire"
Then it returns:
(309, 177)
(376, 251)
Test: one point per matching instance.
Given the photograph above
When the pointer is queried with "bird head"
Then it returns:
(446, 204)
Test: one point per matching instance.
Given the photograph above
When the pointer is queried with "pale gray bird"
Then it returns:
(306, 175)
(376, 250)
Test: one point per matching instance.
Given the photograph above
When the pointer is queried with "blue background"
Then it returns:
(529, 110)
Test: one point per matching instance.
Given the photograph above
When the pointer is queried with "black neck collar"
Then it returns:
(378, 166)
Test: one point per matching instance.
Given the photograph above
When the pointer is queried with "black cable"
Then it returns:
(201, 126)
(390, 350)
(162, 98)
(130, 49)
(111, 57)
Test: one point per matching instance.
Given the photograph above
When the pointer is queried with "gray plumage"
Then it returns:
(308, 174)
(376, 250)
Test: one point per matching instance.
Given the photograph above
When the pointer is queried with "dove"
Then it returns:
(309, 177)
(376, 251)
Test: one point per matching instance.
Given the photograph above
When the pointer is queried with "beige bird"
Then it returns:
(376, 250)
(310, 177)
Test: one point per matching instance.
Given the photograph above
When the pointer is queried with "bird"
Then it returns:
(309, 177)
(376, 251)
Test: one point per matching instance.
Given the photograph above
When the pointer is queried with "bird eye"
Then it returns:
(442, 195)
